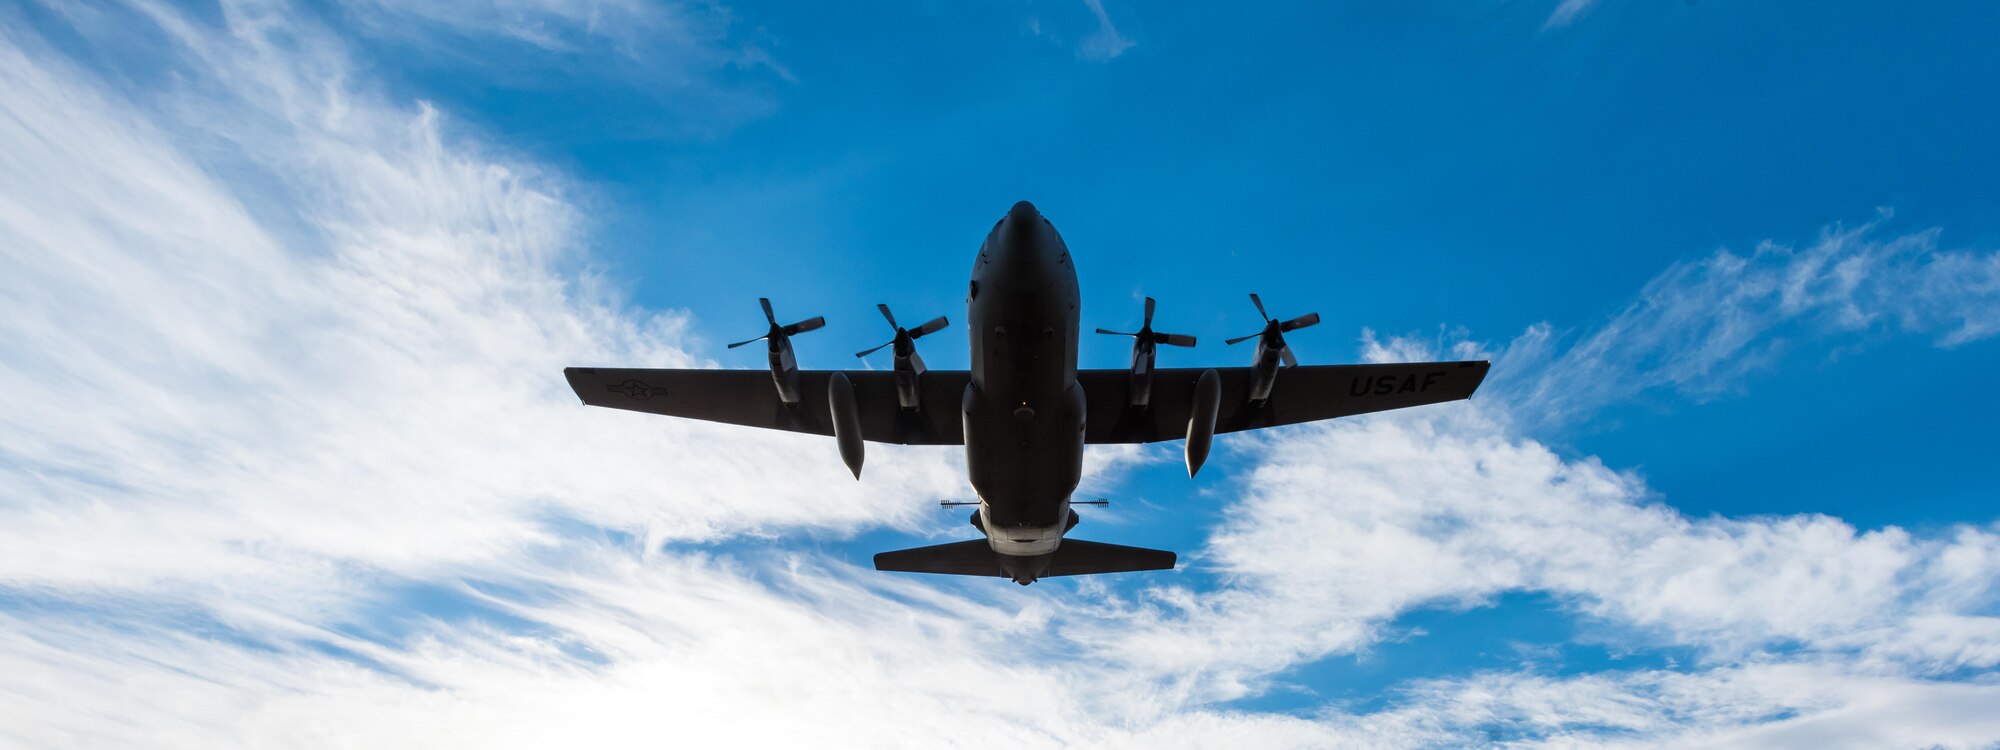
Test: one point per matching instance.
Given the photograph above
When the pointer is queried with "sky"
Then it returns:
(287, 460)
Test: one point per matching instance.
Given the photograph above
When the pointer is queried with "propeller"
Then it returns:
(1146, 332)
(905, 334)
(1275, 329)
(778, 331)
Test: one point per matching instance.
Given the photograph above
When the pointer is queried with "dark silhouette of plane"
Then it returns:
(1024, 411)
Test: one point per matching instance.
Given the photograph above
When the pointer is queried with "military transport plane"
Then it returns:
(1024, 411)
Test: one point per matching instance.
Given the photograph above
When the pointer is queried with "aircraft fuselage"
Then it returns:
(1023, 411)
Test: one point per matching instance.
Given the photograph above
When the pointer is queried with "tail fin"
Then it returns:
(1075, 557)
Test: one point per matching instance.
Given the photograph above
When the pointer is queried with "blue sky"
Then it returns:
(286, 460)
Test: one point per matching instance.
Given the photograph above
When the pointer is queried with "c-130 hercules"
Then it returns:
(1024, 411)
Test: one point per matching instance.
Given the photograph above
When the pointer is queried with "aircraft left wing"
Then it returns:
(747, 397)
(1301, 394)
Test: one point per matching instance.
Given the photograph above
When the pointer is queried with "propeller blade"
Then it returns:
(885, 313)
(874, 350)
(1300, 322)
(1260, 306)
(1286, 354)
(809, 324)
(1241, 339)
(936, 324)
(768, 315)
(1149, 313)
(751, 341)
(1109, 332)
(1173, 339)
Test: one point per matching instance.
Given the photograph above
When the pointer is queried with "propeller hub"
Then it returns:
(1273, 335)
(904, 342)
(1146, 337)
(777, 334)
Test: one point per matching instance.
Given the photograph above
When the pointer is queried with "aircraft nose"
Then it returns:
(1023, 252)
(1020, 236)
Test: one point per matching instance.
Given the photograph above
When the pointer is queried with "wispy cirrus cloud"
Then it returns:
(1702, 325)
(1566, 13)
(368, 373)
(676, 43)
(1102, 43)
(632, 26)
(676, 68)
(1105, 43)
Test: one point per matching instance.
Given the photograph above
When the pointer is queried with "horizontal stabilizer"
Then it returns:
(973, 558)
(1075, 557)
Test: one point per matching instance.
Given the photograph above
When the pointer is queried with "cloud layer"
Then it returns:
(368, 372)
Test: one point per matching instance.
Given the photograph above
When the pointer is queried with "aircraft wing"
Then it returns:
(748, 397)
(1301, 394)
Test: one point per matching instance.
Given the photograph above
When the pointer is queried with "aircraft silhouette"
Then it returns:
(1023, 410)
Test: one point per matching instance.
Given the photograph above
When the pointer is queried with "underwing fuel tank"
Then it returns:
(846, 421)
(1201, 419)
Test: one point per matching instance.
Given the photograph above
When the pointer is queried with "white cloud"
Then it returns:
(1699, 328)
(1806, 704)
(1566, 13)
(1441, 508)
(191, 395)
(666, 40)
(695, 652)
(558, 25)
(1105, 43)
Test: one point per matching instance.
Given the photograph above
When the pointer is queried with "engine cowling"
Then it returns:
(1145, 344)
(784, 366)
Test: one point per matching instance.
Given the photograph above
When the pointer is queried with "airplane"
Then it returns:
(1023, 411)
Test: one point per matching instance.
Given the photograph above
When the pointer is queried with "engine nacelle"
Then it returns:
(785, 371)
(1264, 372)
(1145, 343)
(846, 421)
(1140, 392)
(908, 370)
(1201, 419)
(784, 366)
(909, 366)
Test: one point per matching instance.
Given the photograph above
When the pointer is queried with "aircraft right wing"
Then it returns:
(1301, 394)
